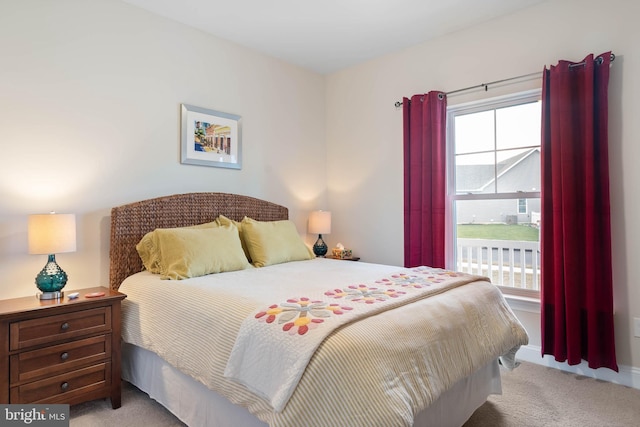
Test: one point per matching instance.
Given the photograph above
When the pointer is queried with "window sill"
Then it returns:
(531, 305)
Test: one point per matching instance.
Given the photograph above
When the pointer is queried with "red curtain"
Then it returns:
(577, 295)
(424, 179)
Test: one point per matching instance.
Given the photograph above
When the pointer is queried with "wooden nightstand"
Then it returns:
(351, 258)
(61, 351)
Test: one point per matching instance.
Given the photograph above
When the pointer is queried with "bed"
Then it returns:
(420, 350)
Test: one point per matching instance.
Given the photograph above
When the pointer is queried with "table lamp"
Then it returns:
(320, 223)
(50, 234)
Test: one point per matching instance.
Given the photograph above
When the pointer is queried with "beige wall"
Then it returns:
(89, 118)
(90, 95)
(364, 129)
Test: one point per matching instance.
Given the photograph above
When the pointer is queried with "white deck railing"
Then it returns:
(513, 263)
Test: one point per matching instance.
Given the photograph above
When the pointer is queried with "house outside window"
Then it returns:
(493, 179)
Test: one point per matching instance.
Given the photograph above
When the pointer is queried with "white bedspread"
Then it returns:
(275, 344)
(380, 370)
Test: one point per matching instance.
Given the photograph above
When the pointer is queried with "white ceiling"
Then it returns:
(328, 35)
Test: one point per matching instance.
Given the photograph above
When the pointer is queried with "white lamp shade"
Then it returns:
(52, 233)
(320, 222)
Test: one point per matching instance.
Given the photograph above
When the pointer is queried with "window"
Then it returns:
(522, 206)
(494, 190)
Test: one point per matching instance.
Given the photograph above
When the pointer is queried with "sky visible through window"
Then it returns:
(477, 135)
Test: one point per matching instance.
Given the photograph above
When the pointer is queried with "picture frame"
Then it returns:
(210, 138)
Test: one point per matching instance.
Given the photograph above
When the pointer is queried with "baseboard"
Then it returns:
(628, 375)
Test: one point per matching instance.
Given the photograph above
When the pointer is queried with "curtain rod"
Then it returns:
(599, 60)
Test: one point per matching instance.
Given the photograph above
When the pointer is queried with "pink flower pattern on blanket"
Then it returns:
(425, 276)
(364, 293)
(300, 315)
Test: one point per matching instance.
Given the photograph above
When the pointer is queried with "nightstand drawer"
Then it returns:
(37, 364)
(65, 387)
(49, 329)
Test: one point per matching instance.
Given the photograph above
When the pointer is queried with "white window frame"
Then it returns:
(452, 197)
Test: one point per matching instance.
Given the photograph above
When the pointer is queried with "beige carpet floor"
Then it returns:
(533, 396)
(537, 396)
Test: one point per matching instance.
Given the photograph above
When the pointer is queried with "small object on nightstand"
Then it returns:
(94, 295)
(340, 252)
(73, 295)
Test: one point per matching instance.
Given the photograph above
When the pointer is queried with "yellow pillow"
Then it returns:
(223, 220)
(273, 242)
(189, 252)
(150, 253)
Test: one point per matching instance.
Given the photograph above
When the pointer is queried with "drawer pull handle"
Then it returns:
(64, 356)
(64, 326)
(64, 386)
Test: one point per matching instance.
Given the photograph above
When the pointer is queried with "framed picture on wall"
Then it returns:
(210, 138)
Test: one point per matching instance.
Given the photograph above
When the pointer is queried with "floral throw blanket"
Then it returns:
(274, 344)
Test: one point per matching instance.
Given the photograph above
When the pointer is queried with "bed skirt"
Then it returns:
(197, 406)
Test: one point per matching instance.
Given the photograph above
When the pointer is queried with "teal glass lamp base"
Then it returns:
(320, 247)
(51, 280)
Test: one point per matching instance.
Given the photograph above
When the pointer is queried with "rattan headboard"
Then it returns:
(129, 223)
